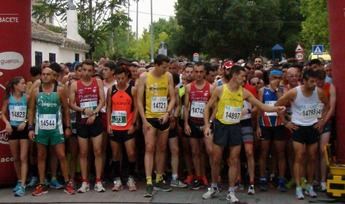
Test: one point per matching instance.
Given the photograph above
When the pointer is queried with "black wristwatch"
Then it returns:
(31, 128)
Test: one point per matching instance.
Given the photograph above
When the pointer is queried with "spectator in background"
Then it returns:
(328, 70)
(211, 72)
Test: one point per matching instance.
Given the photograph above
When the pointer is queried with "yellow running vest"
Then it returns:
(230, 106)
(156, 95)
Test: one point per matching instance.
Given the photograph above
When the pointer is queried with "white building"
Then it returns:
(58, 47)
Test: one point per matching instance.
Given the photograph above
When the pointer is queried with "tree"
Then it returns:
(236, 28)
(315, 26)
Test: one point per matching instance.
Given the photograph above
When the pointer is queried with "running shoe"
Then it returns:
(189, 180)
(149, 191)
(117, 185)
(18, 184)
(99, 187)
(211, 192)
(282, 185)
(323, 186)
(162, 186)
(177, 183)
(196, 185)
(231, 197)
(20, 192)
(131, 184)
(40, 189)
(85, 187)
(263, 184)
(299, 193)
(69, 188)
(251, 190)
(54, 183)
(310, 191)
(33, 182)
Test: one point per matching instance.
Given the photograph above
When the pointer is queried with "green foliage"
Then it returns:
(235, 28)
(97, 19)
(315, 27)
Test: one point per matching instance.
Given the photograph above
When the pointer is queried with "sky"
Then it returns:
(161, 9)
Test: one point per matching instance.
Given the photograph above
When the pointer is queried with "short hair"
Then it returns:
(160, 59)
(77, 66)
(111, 65)
(315, 61)
(310, 73)
(321, 74)
(35, 71)
(56, 67)
(88, 62)
(210, 67)
(198, 64)
(176, 78)
(122, 69)
(236, 69)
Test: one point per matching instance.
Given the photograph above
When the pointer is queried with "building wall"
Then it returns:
(61, 54)
(68, 55)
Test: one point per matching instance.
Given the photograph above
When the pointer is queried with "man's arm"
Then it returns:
(140, 96)
(210, 104)
(101, 100)
(135, 103)
(172, 97)
(32, 107)
(331, 104)
(65, 108)
(72, 103)
(286, 98)
(249, 97)
(186, 104)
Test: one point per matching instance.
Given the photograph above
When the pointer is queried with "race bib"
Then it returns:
(119, 118)
(270, 103)
(90, 105)
(47, 121)
(159, 104)
(320, 107)
(232, 114)
(17, 113)
(197, 109)
(310, 111)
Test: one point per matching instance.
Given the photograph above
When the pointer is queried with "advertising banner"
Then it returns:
(15, 60)
(336, 12)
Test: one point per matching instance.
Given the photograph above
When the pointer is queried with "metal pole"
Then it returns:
(152, 37)
(129, 26)
(136, 32)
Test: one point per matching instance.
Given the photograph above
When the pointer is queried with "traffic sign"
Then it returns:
(299, 48)
(299, 56)
(196, 57)
(318, 49)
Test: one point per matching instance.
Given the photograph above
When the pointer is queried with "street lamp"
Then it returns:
(152, 37)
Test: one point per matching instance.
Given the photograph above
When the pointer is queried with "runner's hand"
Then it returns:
(207, 131)
(146, 125)
(280, 109)
(164, 119)
(68, 132)
(88, 112)
(172, 122)
(110, 130)
(320, 125)
(90, 120)
(131, 129)
(31, 135)
(21, 126)
(187, 129)
(8, 128)
(291, 127)
(258, 133)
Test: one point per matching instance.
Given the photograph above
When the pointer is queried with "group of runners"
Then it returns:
(72, 117)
